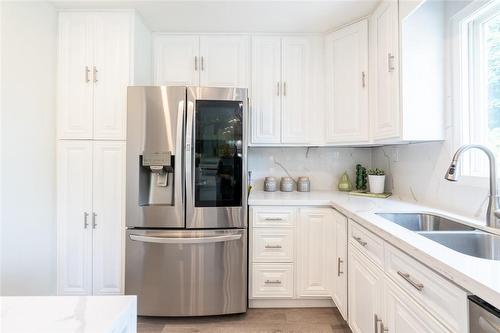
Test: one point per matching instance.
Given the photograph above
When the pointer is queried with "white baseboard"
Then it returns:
(291, 303)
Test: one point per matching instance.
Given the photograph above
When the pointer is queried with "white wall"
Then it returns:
(416, 171)
(28, 229)
(324, 166)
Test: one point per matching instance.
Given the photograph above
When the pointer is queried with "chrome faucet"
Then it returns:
(493, 212)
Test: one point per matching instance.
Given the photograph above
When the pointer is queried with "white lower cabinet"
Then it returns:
(315, 248)
(339, 283)
(404, 315)
(90, 217)
(365, 293)
(292, 250)
(398, 295)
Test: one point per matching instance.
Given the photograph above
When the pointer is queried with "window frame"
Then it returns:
(466, 95)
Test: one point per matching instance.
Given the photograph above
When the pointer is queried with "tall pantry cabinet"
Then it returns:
(100, 54)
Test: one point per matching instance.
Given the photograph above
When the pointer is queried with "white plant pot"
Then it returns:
(377, 183)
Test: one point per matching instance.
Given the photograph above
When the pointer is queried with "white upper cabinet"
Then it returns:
(111, 75)
(176, 60)
(385, 115)
(209, 60)
(407, 94)
(266, 89)
(94, 69)
(74, 209)
(282, 98)
(224, 61)
(108, 216)
(295, 86)
(315, 247)
(347, 116)
(75, 59)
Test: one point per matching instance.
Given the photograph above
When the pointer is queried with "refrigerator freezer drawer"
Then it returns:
(187, 272)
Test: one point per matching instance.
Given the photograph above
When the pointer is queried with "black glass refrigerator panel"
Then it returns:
(218, 153)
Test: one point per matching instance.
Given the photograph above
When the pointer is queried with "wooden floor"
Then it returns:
(305, 320)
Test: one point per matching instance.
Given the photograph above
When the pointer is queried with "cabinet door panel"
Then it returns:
(266, 76)
(176, 60)
(347, 90)
(365, 293)
(108, 207)
(315, 247)
(74, 91)
(111, 75)
(296, 69)
(340, 265)
(404, 315)
(386, 117)
(74, 206)
(224, 61)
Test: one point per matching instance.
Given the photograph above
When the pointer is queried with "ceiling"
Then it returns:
(239, 16)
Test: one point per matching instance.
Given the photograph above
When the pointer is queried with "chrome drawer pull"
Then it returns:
(273, 246)
(339, 262)
(416, 285)
(360, 241)
(272, 282)
(273, 219)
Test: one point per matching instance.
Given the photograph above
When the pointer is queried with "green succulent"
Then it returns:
(375, 172)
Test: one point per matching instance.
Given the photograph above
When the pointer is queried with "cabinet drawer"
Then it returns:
(273, 245)
(273, 216)
(367, 242)
(440, 297)
(272, 281)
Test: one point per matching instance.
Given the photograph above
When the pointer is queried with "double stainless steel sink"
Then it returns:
(450, 233)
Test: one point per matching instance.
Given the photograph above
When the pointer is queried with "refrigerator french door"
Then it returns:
(186, 242)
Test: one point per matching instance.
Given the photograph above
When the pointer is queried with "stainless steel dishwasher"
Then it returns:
(483, 317)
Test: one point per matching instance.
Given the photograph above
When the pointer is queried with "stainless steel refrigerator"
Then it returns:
(186, 239)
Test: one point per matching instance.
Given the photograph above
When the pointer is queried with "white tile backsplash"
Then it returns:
(323, 165)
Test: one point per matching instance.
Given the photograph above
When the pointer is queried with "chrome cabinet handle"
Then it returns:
(376, 321)
(277, 88)
(273, 219)
(273, 246)
(85, 222)
(87, 72)
(272, 282)
(95, 74)
(339, 262)
(382, 328)
(284, 88)
(195, 63)
(363, 79)
(390, 62)
(417, 285)
(360, 240)
(202, 64)
(94, 215)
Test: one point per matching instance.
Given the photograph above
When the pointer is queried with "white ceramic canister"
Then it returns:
(270, 184)
(286, 184)
(303, 184)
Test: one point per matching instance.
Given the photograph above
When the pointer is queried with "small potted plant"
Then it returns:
(376, 179)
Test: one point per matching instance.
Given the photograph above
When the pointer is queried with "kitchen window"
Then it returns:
(476, 80)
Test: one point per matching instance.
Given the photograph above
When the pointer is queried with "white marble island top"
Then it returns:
(478, 276)
(68, 314)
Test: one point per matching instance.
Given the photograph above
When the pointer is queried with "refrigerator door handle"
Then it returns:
(179, 170)
(189, 151)
(185, 240)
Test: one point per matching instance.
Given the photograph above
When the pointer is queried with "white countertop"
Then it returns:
(478, 276)
(67, 314)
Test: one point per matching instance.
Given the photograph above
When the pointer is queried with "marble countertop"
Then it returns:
(66, 314)
(478, 276)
